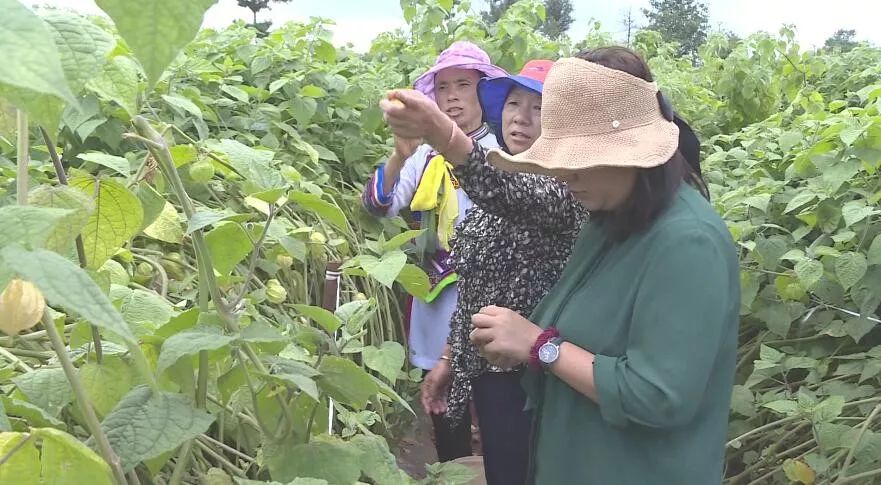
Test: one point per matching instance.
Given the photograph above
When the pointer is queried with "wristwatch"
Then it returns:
(549, 352)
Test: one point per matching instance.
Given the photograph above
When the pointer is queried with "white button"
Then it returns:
(616, 124)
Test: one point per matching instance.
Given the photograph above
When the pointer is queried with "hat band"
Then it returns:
(602, 128)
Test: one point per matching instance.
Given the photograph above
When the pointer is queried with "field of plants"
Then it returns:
(171, 199)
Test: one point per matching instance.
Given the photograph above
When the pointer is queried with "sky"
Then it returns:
(359, 21)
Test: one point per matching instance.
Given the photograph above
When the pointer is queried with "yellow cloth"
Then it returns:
(437, 180)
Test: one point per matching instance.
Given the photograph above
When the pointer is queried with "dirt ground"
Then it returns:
(416, 449)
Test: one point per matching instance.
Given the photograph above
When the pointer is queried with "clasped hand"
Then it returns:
(503, 336)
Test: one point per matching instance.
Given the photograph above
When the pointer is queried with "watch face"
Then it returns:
(548, 353)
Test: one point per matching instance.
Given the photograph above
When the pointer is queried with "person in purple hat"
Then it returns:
(452, 84)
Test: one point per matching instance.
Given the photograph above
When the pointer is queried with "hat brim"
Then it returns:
(425, 82)
(493, 93)
(644, 146)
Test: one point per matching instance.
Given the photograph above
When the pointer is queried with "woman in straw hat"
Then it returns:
(503, 257)
(416, 178)
(634, 348)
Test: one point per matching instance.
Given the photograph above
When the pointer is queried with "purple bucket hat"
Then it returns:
(460, 54)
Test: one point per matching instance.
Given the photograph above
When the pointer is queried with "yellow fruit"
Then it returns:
(317, 238)
(360, 297)
(21, 306)
(275, 293)
(201, 171)
(284, 260)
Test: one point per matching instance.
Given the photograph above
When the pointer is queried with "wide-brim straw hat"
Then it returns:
(593, 116)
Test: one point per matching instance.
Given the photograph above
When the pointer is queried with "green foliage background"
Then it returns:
(209, 190)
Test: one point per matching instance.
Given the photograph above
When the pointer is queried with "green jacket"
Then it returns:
(660, 311)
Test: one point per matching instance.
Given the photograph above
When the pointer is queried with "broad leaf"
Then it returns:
(29, 226)
(35, 416)
(327, 458)
(325, 210)
(325, 319)
(229, 244)
(167, 227)
(156, 30)
(874, 253)
(31, 58)
(386, 359)
(80, 205)
(183, 104)
(190, 342)
(146, 424)
(119, 82)
(106, 383)
(809, 272)
(117, 164)
(386, 269)
(64, 283)
(344, 381)
(23, 467)
(152, 202)
(414, 280)
(850, 268)
(116, 219)
(47, 388)
(139, 306)
(82, 45)
(65, 456)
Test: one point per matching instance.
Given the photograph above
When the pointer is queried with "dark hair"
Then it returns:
(655, 187)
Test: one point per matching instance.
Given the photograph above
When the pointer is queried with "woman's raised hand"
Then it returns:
(412, 115)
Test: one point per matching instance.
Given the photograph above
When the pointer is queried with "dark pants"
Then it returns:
(451, 443)
(504, 427)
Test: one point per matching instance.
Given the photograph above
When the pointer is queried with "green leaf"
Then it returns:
(229, 244)
(4, 419)
(183, 154)
(42, 109)
(799, 200)
(106, 383)
(152, 202)
(260, 64)
(82, 45)
(414, 280)
(345, 382)
(116, 219)
(183, 104)
(64, 283)
(204, 218)
(855, 211)
(858, 327)
(167, 227)
(303, 110)
(874, 253)
(118, 164)
(312, 91)
(850, 268)
(386, 359)
(156, 30)
(139, 306)
(777, 317)
(386, 269)
(325, 319)
(236, 93)
(355, 314)
(304, 383)
(23, 467)
(31, 59)
(783, 407)
(35, 416)
(828, 410)
(190, 342)
(809, 272)
(29, 226)
(47, 388)
(119, 82)
(327, 211)
(61, 238)
(324, 457)
(401, 239)
(65, 456)
(146, 424)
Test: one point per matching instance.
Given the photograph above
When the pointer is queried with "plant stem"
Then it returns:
(227, 448)
(220, 459)
(766, 427)
(853, 449)
(859, 476)
(21, 178)
(15, 360)
(252, 264)
(80, 247)
(163, 275)
(85, 404)
(181, 465)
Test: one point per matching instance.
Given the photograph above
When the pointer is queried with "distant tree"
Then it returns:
(558, 15)
(842, 41)
(257, 5)
(629, 24)
(558, 18)
(684, 21)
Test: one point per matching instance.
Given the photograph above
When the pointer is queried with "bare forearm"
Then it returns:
(575, 367)
(391, 172)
